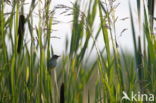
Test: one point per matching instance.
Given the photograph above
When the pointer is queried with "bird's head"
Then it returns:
(55, 56)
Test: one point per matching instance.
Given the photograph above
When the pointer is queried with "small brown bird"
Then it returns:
(20, 32)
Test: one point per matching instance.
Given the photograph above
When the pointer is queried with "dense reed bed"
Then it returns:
(23, 70)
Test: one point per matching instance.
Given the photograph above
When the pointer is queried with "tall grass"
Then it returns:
(24, 77)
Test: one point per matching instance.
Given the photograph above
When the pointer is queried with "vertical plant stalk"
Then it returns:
(140, 64)
(55, 83)
(62, 99)
(21, 30)
(13, 80)
(151, 12)
(48, 24)
(39, 34)
(104, 31)
(2, 30)
(136, 50)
